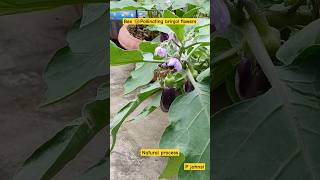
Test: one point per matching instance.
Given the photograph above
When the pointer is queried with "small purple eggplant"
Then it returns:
(167, 97)
(250, 84)
(188, 87)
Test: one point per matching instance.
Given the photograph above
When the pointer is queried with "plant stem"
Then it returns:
(153, 61)
(191, 79)
(259, 51)
(227, 54)
(191, 45)
(192, 51)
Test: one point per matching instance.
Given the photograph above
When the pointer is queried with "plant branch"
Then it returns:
(192, 51)
(153, 61)
(191, 79)
(191, 45)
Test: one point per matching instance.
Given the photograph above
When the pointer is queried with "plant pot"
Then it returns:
(126, 40)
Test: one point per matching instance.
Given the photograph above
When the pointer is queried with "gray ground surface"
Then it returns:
(126, 164)
(27, 42)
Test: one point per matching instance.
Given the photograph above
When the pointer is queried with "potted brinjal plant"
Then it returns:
(177, 65)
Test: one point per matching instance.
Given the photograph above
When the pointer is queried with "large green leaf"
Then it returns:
(82, 60)
(18, 6)
(173, 166)
(271, 139)
(97, 172)
(189, 131)
(124, 5)
(129, 108)
(92, 12)
(152, 106)
(119, 56)
(177, 29)
(308, 36)
(53, 155)
(142, 75)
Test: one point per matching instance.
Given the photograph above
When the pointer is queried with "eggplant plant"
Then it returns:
(266, 63)
(175, 67)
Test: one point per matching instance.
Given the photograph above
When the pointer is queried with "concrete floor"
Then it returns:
(126, 163)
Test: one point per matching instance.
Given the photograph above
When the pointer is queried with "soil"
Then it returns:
(140, 32)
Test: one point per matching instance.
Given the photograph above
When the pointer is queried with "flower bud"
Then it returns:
(160, 51)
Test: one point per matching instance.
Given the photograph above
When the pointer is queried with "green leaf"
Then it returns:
(223, 69)
(308, 36)
(103, 92)
(129, 108)
(269, 136)
(154, 104)
(53, 155)
(92, 12)
(18, 6)
(83, 60)
(124, 5)
(160, 28)
(97, 172)
(173, 166)
(191, 13)
(119, 56)
(146, 46)
(142, 75)
(189, 130)
(204, 76)
(177, 29)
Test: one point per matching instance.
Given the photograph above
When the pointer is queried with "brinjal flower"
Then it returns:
(160, 51)
(167, 36)
(175, 63)
(221, 16)
(171, 36)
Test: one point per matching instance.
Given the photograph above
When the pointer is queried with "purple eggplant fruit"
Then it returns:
(167, 97)
(250, 83)
(188, 87)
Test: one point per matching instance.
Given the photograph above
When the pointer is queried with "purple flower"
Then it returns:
(160, 51)
(175, 63)
(221, 16)
(171, 36)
